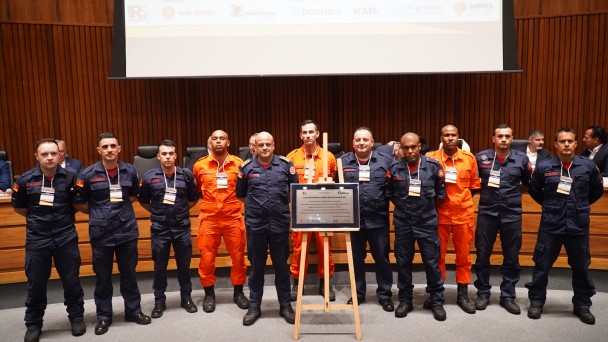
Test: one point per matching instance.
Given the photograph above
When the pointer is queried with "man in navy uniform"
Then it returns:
(168, 192)
(263, 185)
(417, 183)
(66, 161)
(501, 171)
(370, 169)
(105, 191)
(44, 196)
(565, 186)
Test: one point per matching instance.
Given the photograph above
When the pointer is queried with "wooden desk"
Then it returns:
(12, 241)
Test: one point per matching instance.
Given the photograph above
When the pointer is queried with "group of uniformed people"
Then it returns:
(432, 197)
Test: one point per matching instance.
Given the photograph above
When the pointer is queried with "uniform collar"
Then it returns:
(38, 170)
(274, 161)
(457, 155)
(159, 170)
(99, 166)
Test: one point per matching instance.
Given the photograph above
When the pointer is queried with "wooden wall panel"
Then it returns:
(54, 83)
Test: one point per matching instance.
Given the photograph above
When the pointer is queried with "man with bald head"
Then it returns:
(456, 211)
(417, 183)
(216, 176)
(369, 169)
(263, 184)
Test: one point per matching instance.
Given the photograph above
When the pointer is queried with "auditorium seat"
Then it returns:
(519, 144)
(336, 148)
(145, 159)
(243, 152)
(376, 145)
(194, 153)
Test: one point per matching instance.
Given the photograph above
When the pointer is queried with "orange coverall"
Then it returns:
(456, 212)
(299, 159)
(220, 216)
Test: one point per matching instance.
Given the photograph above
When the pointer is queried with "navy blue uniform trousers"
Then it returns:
(257, 247)
(161, 248)
(379, 247)
(510, 241)
(38, 263)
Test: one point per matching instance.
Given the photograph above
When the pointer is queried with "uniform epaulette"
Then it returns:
(246, 162)
(27, 173)
(285, 159)
(433, 161)
(468, 154)
(89, 169)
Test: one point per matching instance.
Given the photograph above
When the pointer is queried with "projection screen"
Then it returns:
(211, 38)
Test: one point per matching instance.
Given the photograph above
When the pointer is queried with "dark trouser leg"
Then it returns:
(404, 253)
(579, 259)
(430, 250)
(126, 258)
(160, 255)
(545, 253)
(510, 240)
(358, 240)
(38, 271)
(379, 246)
(67, 263)
(103, 258)
(257, 247)
(485, 236)
(182, 246)
(279, 254)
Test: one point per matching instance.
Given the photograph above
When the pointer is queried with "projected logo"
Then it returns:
(460, 8)
(168, 13)
(475, 7)
(236, 11)
(137, 13)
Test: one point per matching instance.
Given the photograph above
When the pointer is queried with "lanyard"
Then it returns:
(117, 175)
(451, 157)
(369, 158)
(44, 177)
(493, 160)
(174, 179)
(561, 171)
(417, 169)
(222, 167)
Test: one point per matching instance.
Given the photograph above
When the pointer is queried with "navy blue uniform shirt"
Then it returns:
(152, 191)
(373, 202)
(110, 223)
(504, 201)
(566, 214)
(266, 193)
(418, 211)
(46, 226)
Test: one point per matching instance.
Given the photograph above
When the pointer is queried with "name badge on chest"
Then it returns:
(115, 193)
(47, 196)
(564, 186)
(364, 173)
(309, 171)
(221, 180)
(414, 189)
(494, 180)
(170, 194)
(451, 175)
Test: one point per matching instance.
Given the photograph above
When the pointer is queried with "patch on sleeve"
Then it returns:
(79, 183)
(16, 187)
(440, 173)
(292, 170)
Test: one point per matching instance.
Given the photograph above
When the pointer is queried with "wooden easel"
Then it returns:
(326, 233)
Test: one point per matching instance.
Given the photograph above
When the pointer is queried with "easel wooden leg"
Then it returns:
(353, 286)
(326, 271)
(296, 329)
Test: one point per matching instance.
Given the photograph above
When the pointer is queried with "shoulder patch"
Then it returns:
(285, 159)
(433, 161)
(246, 162)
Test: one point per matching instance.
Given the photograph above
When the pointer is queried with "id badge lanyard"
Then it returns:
(115, 189)
(451, 173)
(415, 184)
(47, 195)
(565, 183)
(364, 170)
(221, 178)
(170, 193)
(494, 180)
(309, 169)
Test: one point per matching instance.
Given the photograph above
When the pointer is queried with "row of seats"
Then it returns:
(146, 155)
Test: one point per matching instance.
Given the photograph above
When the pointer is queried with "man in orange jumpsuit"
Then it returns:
(216, 176)
(308, 161)
(456, 211)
